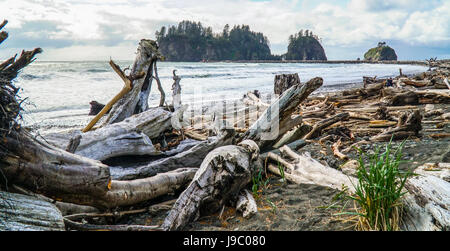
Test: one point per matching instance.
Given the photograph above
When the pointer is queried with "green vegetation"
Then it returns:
(190, 41)
(379, 189)
(380, 53)
(259, 183)
(305, 46)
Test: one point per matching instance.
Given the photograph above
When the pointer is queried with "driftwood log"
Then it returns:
(316, 131)
(426, 202)
(71, 178)
(192, 157)
(276, 120)
(222, 175)
(306, 170)
(129, 137)
(26, 213)
(176, 91)
(246, 204)
(136, 100)
(409, 124)
(126, 88)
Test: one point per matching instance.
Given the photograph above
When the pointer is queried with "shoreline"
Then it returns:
(408, 62)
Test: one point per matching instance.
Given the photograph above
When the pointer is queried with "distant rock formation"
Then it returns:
(380, 53)
(192, 42)
(305, 46)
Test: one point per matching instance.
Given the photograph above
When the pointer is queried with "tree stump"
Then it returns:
(284, 82)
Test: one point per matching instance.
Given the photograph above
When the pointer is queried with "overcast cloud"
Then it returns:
(97, 30)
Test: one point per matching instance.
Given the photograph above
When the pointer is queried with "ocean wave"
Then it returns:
(34, 77)
(96, 70)
(59, 108)
(207, 75)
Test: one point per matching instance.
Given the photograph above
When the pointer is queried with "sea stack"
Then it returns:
(305, 46)
(381, 53)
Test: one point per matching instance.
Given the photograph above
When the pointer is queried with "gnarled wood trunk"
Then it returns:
(223, 173)
(136, 101)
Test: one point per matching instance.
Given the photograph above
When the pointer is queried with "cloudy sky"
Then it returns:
(100, 29)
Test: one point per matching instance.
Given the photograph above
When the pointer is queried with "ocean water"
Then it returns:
(58, 93)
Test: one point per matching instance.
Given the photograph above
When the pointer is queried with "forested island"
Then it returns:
(305, 46)
(191, 41)
(380, 53)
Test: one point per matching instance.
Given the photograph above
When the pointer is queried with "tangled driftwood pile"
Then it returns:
(210, 166)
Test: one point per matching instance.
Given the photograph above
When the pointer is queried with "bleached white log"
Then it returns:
(427, 204)
(313, 171)
(440, 170)
(129, 137)
(246, 204)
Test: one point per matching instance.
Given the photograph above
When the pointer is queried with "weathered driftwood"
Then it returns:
(189, 158)
(434, 96)
(64, 207)
(293, 135)
(162, 98)
(76, 179)
(91, 227)
(440, 170)
(304, 169)
(126, 88)
(405, 98)
(246, 204)
(26, 213)
(318, 127)
(408, 125)
(176, 91)
(136, 100)
(126, 193)
(35, 165)
(129, 137)
(285, 81)
(166, 205)
(250, 99)
(381, 123)
(222, 175)
(337, 152)
(275, 121)
(447, 83)
(427, 204)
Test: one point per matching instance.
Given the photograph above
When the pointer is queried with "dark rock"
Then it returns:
(96, 107)
(285, 81)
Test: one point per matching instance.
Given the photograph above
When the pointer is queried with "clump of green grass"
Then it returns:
(259, 182)
(379, 189)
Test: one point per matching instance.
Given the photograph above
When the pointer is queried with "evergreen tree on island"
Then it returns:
(191, 42)
(305, 46)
